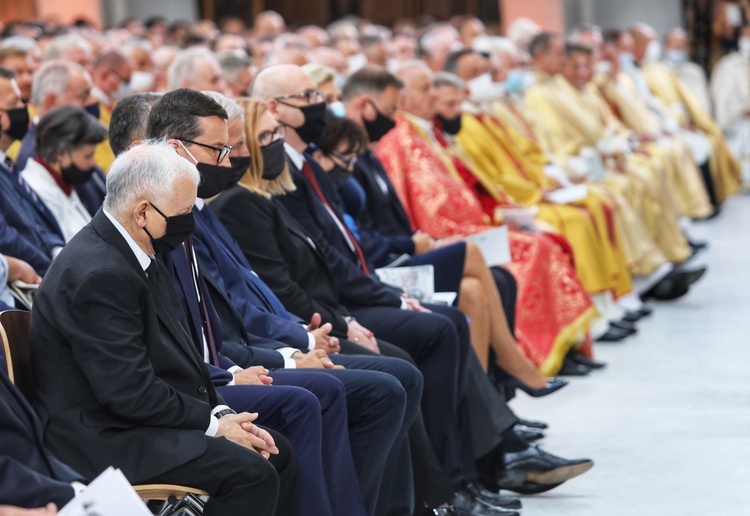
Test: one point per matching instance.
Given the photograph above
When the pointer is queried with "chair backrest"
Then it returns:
(14, 331)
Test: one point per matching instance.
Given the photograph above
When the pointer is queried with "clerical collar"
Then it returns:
(296, 156)
(424, 125)
(144, 260)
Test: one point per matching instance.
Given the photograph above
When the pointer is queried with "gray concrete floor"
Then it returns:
(668, 421)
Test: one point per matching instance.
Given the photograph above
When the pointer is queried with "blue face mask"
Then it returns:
(676, 56)
(515, 82)
(337, 109)
(626, 60)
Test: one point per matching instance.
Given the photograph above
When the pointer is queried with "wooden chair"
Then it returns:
(14, 331)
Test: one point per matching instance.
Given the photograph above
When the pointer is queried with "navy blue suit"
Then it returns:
(314, 422)
(31, 475)
(28, 231)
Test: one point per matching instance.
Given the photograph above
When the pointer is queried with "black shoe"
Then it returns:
(443, 510)
(467, 505)
(532, 424)
(645, 311)
(585, 361)
(537, 466)
(613, 335)
(698, 244)
(632, 317)
(553, 385)
(491, 497)
(571, 368)
(623, 325)
(676, 283)
(527, 433)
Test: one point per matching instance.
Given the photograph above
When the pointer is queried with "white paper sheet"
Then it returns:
(110, 494)
(493, 244)
(417, 281)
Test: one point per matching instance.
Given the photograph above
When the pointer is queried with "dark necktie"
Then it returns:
(205, 320)
(273, 301)
(310, 176)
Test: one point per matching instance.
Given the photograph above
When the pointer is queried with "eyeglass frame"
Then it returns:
(349, 163)
(279, 130)
(223, 151)
(306, 95)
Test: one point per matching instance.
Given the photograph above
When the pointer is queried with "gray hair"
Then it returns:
(147, 171)
(136, 42)
(57, 47)
(183, 65)
(52, 77)
(233, 63)
(448, 79)
(20, 44)
(494, 45)
(234, 111)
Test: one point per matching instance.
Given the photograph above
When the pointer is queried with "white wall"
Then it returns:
(114, 11)
(619, 14)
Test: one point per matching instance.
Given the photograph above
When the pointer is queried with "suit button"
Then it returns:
(202, 390)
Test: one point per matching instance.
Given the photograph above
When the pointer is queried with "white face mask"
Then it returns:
(483, 89)
(653, 51)
(141, 81)
(602, 67)
(676, 56)
(744, 46)
(337, 109)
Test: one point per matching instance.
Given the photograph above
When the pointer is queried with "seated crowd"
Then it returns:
(205, 209)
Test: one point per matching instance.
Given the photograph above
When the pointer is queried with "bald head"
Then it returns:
(418, 95)
(676, 39)
(642, 34)
(280, 80)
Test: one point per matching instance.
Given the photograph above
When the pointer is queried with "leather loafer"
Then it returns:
(532, 423)
(676, 284)
(632, 317)
(553, 385)
(528, 434)
(623, 325)
(540, 467)
(491, 497)
(585, 361)
(467, 505)
(571, 368)
(613, 335)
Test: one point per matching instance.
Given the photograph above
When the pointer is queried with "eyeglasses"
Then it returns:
(309, 96)
(223, 151)
(267, 137)
(346, 163)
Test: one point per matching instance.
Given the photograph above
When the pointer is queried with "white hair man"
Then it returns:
(197, 69)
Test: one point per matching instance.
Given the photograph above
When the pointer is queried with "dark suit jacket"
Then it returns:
(233, 294)
(31, 475)
(25, 231)
(117, 378)
(355, 287)
(284, 256)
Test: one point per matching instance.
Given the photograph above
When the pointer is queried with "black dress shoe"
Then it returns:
(528, 434)
(632, 317)
(443, 510)
(645, 311)
(468, 505)
(492, 497)
(585, 361)
(537, 466)
(698, 244)
(532, 424)
(571, 368)
(623, 325)
(676, 283)
(613, 335)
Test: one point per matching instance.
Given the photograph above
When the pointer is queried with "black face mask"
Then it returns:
(92, 109)
(19, 123)
(339, 175)
(239, 167)
(378, 127)
(179, 227)
(315, 122)
(74, 175)
(214, 179)
(274, 159)
(450, 125)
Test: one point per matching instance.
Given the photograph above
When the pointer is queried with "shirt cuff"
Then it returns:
(56, 251)
(213, 425)
(3, 270)
(310, 341)
(404, 306)
(289, 362)
(233, 370)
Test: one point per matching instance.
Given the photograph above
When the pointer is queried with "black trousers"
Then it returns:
(240, 481)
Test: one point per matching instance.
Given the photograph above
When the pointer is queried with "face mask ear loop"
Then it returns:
(188, 152)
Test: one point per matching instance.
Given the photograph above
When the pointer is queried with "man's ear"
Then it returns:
(364, 106)
(49, 100)
(172, 142)
(139, 213)
(273, 108)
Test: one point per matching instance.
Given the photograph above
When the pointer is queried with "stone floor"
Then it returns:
(668, 421)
